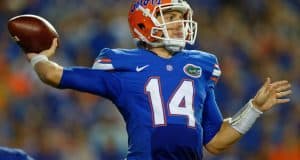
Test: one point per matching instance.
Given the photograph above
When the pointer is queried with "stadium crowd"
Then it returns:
(252, 39)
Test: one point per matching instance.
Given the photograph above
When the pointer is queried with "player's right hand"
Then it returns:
(48, 52)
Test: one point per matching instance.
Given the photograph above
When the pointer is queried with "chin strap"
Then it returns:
(173, 49)
(170, 47)
(243, 120)
(173, 46)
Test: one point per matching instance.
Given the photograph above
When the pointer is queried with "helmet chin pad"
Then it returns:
(173, 49)
(174, 46)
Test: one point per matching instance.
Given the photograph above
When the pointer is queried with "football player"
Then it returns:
(164, 92)
(13, 154)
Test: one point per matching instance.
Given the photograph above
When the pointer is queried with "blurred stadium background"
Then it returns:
(253, 39)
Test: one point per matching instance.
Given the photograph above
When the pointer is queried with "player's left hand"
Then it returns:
(271, 94)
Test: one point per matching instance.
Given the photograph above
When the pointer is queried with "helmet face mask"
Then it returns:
(148, 23)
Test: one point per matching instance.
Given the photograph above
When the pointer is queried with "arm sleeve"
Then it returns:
(103, 83)
(211, 118)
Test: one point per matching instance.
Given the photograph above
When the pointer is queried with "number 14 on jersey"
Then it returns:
(179, 104)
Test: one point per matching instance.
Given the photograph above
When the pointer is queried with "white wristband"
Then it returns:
(243, 120)
(38, 58)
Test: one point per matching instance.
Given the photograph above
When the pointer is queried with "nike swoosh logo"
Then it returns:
(139, 69)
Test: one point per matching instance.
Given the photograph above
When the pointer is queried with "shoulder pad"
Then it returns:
(116, 59)
(210, 61)
(202, 56)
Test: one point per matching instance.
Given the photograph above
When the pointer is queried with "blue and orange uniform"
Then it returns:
(168, 104)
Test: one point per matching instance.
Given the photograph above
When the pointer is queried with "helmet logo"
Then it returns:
(192, 70)
(137, 3)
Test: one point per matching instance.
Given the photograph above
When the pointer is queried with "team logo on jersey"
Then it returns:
(192, 70)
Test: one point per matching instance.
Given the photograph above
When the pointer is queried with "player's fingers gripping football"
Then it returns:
(51, 51)
(48, 52)
(271, 94)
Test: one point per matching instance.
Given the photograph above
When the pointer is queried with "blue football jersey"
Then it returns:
(168, 104)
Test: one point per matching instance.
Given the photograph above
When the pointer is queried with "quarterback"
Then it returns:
(164, 92)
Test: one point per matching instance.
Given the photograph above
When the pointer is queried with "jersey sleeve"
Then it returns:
(104, 60)
(215, 73)
(111, 59)
(212, 118)
(103, 83)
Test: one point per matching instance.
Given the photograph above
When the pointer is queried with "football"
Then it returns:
(31, 32)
